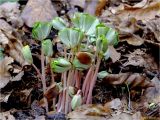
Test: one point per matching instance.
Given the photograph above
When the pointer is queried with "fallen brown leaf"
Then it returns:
(153, 94)
(146, 13)
(114, 55)
(132, 79)
(89, 112)
(10, 11)
(38, 10)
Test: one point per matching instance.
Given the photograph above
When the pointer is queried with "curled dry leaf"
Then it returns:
(38, 10)
(12, 46)
(10, 11)
(4, 71)
(132, 79)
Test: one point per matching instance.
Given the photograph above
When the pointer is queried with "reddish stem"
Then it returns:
(89, 98)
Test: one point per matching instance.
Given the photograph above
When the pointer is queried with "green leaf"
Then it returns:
(101, 44)
(47, 47)
(79, 66)
(85, 22)
(112, 37)
(27, 54)
(3, 1)
(76, 101)
(102, 74)
(41, 30)
(101, 29)
(110, 34)
(60, 65)
(1, 53)
(71, 37)
(58, 23)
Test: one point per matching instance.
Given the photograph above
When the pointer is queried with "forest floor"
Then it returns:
(131, 91)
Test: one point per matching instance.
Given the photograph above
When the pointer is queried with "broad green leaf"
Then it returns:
(58, 23)
(76, 101)
(102, 74)
(71, 37)
(60, 65)
(47, 47)
(79, 66)
(41, 30)
(27, 54)
(85, 22)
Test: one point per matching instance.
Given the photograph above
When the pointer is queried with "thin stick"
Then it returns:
(89, 98)
(37, 70)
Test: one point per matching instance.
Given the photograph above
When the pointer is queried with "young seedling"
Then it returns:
(86, 28)
(85, 45)
(40, 32)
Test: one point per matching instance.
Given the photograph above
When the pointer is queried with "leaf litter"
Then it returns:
(132, 63)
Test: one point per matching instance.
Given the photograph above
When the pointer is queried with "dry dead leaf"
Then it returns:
(114, 55)
(132, 79)
(138, 5)
(153, 94)
(38, 10)
(4, 73)
(12, 46)
(7, 116)
(10, 11)
(89, 112)
(90, 5)
(152, 27)
(100, 6)
(114, 104)
(5, 26)
(136, 58)
(147, 13)
(5, 97)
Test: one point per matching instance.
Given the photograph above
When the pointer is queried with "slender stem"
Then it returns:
(89, 98)
(86, 91)
(86, 79)
(43, 79)
(37, 70)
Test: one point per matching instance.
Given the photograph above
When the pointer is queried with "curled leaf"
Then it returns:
(47, 47)
(41, 30)
(60, 65)
(27, 54)
(76, 101)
